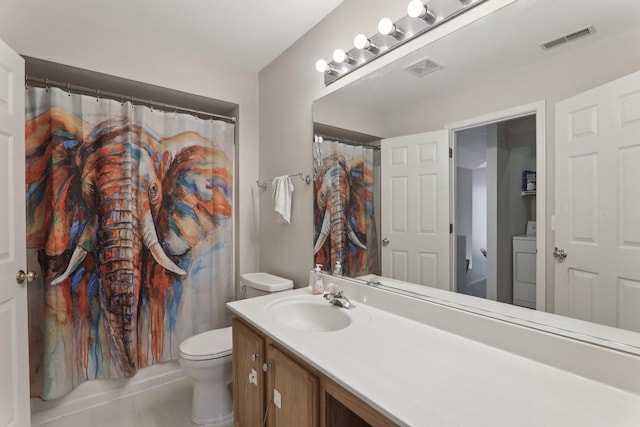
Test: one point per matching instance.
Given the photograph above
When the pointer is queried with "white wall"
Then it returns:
(494, 158)
(464, 212)
(479, 200)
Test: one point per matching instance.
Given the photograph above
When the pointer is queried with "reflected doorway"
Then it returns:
(495, 210)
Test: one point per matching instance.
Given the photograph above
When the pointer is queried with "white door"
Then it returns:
(598, 204)
(14, 356)
(415, 230)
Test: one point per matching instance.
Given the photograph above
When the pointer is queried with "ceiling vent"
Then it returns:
(568, 38)
(423, 67)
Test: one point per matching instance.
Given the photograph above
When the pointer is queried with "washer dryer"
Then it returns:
(524, 269)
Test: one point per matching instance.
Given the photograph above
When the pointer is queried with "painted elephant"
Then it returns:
(114, 211)
(343, 208)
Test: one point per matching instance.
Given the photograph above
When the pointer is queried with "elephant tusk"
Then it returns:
(354, 239)
(161, 258)
(76, 258)
(150, 239)
(324, 232)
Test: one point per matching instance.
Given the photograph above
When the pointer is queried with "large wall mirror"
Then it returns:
(534, 214)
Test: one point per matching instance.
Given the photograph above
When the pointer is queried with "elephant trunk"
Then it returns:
(119, 250)
(338, 215)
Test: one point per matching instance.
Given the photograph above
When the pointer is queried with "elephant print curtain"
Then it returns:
(344, 220)
(129, 220)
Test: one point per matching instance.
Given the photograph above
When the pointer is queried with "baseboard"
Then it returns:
(97, 392)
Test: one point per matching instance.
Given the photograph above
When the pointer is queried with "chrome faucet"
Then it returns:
(338, 298)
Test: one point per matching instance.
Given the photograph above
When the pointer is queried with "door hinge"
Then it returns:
(451, 153)
(450, 228)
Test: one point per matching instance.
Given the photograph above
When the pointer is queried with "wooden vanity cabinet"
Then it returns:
(307, 398)
(298, 389)
(254, 388)
(248, 377)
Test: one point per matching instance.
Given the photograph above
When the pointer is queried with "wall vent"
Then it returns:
(423, 67)
(568, 37)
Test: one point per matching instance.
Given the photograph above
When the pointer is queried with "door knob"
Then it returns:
(21, 276)
(559, 254)
(385, 241)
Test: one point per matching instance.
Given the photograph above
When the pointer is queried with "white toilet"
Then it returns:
(206, 357)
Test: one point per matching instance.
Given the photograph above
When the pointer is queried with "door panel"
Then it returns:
(14, 357)
(598, 204)
(415, 183)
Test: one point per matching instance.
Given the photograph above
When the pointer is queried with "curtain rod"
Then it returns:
(120, 97)
(348, 141)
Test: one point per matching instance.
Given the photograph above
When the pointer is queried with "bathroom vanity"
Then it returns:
(373, 366)
(262, 365)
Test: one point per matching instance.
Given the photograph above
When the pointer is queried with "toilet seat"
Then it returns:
(208, 345)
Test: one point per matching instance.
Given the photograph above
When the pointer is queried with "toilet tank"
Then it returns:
(258, 284)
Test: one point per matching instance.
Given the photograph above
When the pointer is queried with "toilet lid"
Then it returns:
(207, 345)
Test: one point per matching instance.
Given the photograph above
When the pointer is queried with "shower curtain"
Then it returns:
(129, 227)
(344, 223)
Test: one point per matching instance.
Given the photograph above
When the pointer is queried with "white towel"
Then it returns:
(282, 189)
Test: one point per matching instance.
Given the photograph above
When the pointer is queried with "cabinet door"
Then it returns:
(297, 403)
(248, 378)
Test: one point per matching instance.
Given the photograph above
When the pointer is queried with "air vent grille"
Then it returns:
(423, 67)
(568, 37)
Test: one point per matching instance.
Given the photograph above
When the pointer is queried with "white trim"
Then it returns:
(537, 108)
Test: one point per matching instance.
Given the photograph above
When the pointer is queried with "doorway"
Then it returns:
(495, 206)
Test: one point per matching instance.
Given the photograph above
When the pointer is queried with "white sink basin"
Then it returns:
(310, 313)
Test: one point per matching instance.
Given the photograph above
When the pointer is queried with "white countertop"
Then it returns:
(418, 375)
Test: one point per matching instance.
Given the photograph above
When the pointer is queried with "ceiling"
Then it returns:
(495, 46)
(248, 33)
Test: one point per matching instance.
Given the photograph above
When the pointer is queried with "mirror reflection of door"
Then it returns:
(597, 273)
(495, 211)
(414, 187)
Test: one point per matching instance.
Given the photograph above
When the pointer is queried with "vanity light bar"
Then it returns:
(421, 17)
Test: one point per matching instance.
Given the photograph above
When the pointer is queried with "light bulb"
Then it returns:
(415, 9)
(361, 42)
(386, 26)
(339, 55)
(322, 66)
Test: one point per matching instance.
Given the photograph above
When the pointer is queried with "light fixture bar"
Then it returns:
(421, 18)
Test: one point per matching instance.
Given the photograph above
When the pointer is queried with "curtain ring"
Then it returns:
(122, 100)
(151, 105)
(46, 85)
(68, 89)
(97, 95)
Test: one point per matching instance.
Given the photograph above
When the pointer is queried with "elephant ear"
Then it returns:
(197, 192)
(52, 179)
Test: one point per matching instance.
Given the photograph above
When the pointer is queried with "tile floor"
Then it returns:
(165, 406)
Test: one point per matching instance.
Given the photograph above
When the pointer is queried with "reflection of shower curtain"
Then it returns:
(343, 208)
(129, 219)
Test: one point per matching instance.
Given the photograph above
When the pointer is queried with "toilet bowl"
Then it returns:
(206, 358)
